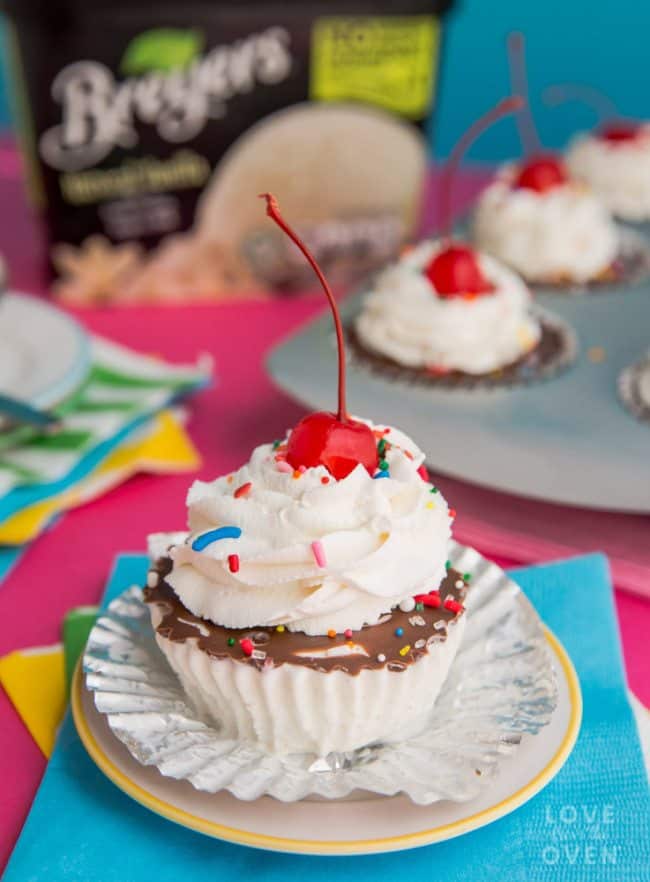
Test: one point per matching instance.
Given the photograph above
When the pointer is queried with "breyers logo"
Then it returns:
(100, 113)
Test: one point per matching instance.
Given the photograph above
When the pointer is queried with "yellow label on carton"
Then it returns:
(391, 61)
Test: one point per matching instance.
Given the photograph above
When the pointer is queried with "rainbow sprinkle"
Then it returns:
(247, 646)
(233, 563)
(319, 553)
(211, 536)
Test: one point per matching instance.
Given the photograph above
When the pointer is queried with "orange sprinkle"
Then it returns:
(244, 490)
(297, 474)
(331, 633)
(230, 479)
(408, 454)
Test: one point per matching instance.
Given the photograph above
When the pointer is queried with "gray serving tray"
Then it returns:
(567, 439)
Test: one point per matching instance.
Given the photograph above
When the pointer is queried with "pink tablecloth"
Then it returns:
(68, 566)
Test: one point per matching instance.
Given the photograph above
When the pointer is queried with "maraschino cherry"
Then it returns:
(619, 132)
(540, 171)
(327, 439)
(612, 127)
(455, 270)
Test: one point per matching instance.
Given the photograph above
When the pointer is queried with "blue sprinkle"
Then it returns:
(399, 632)
(211, 536)
(381, 475)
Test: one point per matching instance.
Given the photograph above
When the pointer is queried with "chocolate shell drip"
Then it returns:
(399, 640)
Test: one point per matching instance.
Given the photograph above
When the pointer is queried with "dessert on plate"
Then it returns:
(310, 608)
(538, 219)
(447, 314)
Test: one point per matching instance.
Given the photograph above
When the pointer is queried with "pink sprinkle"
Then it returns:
(302, 469)
(319, 553)
(283, 466)
(347, 633)
(233, 563)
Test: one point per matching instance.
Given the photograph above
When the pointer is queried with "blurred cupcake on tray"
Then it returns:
(546, 224)
(634, 388)
(613, 158)
(446, 314)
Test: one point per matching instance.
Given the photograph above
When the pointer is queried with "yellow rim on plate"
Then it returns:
(341, 847)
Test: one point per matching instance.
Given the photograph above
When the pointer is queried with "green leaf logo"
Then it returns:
(161, 49)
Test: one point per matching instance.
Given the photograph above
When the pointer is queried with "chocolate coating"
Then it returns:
(549, 350)
(274, 648)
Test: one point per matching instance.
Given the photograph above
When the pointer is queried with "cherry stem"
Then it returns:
(528, 133)
(273, 211)
(503, 108)
(599, 102)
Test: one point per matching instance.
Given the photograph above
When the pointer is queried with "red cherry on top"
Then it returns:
(618, 132)
(322, 439)
(455, 271)
(541, 173)
(331, 440)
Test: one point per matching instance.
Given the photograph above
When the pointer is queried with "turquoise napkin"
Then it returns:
(9, 557)
(591, 823)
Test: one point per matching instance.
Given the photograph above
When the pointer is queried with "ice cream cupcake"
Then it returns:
(447, 314)
(411, 326)
(548, 227)
(310, 608)
(615, 162)
(614, 158)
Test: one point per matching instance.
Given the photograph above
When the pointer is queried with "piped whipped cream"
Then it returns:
(405, 319)
(563, 234)
(618, 171)
(382, 540)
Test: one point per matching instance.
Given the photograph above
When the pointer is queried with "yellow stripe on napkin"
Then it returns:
(35, 683)
(166, 449)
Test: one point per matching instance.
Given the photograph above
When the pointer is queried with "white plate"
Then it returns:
(385, 824)
(567, 440)
(44, 354)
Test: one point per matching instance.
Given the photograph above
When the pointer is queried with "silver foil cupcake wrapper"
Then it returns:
(557, 335)
(501, 687)
(634, 388)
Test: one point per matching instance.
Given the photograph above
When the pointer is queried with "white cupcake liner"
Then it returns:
(501, 685)
(293, 709)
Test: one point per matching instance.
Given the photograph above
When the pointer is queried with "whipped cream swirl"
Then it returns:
(405, 319)
(618, 171)
(562, 235)
(382, 540)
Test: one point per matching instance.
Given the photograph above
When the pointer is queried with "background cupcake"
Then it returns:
(411, 320)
